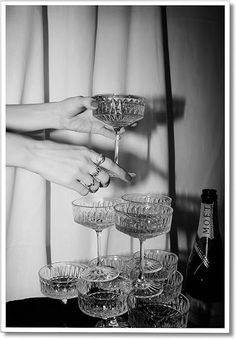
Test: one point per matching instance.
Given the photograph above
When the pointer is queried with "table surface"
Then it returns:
(46, 312)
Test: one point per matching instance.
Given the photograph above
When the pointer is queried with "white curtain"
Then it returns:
(25, 229)
(94, 50)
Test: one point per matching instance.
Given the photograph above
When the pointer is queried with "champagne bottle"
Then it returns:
(204, 284)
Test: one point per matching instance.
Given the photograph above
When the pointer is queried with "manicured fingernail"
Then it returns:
(106, 184)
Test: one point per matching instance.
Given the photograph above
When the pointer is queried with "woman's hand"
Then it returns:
(75, 167)
(73, 114)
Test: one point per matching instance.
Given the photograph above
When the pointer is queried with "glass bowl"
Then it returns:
(59, 280)
(95, 213)
(148, 313)
(122, 263)
(119, 110)
(172, 287)
(104, 299)
(143, 221)
(148, 198)
(168, 261)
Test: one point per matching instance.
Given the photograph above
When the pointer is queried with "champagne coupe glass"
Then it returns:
(143, 221)
(118, 110)
(124, 264)
(150, 264)
(151, 313)
(106, 300)
(172, 287)
(96, 214)
(167, 259)
(59, 280)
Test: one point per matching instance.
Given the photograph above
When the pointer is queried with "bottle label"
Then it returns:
(205, 227)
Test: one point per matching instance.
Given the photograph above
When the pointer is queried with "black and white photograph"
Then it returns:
(115, 131)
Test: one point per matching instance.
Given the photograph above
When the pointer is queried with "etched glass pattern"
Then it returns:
(143, 221)
(93, 213)
(168, 260)
(123, 263)
(59, 280)
(143, 313)
(172, 287)
(104, 299)
(148, 198)
(119, 110)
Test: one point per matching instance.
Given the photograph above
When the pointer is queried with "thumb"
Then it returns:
(88, 102)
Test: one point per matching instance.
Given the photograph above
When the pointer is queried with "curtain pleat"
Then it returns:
(26, 247)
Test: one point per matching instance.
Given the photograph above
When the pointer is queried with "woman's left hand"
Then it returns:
(76, 114)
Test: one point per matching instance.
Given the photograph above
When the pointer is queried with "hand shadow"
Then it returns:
(156, 114)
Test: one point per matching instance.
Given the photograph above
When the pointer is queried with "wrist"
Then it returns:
(32, 117)
(47, 116)
(19, 150)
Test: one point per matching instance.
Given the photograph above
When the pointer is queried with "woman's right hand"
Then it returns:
(74, 167)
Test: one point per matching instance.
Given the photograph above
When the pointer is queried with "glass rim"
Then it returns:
(110, 256)
(178, 274)
(178, 299)
(65, 263)
(76, 202)
(146, 195)
(127, 203)
(118, 95)
(153, 250)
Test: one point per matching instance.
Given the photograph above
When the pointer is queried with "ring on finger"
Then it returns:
(99, 159)
(90, 185)
(93, 189)
(86, 185)
(96, 172)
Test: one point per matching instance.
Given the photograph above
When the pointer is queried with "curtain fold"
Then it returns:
(25, 191)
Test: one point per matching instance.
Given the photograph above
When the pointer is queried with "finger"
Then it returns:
(78, 187)
(85, 179)
(107, 183)
(106, 132)
(111, 168)
(121, 131)
(100, 175)
(88, 102)
(115, 170)
(94, 187)
(88, 181)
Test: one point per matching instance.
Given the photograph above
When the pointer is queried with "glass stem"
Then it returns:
(117, 131)
(113, 322)
(141, 275)
(99, 263)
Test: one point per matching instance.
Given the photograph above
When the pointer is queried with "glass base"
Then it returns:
(118, 322)
(147, 288)
(150, 265)
(99, 273)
